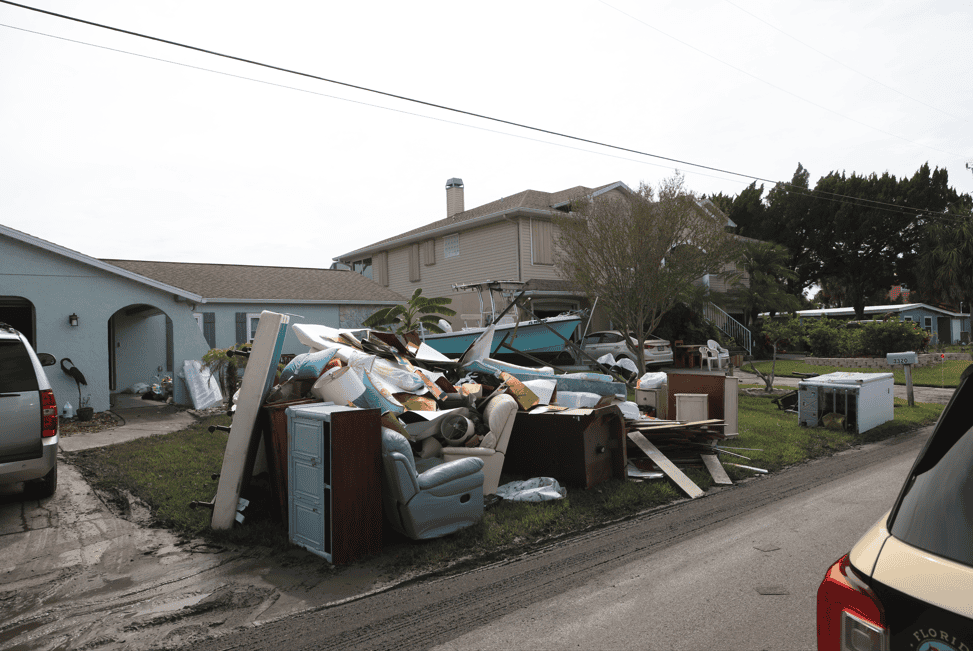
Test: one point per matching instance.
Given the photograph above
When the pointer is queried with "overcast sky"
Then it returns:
(118, 152)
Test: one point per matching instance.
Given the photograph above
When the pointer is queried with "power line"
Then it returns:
(775, 86)
(839, 198)
(842, 63)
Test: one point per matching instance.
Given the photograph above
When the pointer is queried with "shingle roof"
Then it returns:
(227, 281)
(527, 199)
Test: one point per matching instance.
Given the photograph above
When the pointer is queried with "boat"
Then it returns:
(542, 338)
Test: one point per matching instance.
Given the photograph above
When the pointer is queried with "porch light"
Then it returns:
(73, 320)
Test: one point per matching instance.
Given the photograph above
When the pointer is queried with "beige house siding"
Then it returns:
(486, 253)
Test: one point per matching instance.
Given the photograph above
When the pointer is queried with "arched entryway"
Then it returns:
(19, 312)
(140, 346)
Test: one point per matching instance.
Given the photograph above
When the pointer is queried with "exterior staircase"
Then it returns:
(729, 326)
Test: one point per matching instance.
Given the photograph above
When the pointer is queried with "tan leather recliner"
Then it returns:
(499, 416)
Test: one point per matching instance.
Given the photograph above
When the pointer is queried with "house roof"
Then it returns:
(99, 264)
(525, 202)
(224, 283)
(876, 309)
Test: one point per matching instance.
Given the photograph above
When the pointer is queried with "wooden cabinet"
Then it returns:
(334, 480)
(579, 447)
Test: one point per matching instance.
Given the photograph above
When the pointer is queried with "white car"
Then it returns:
(596, 344)
(28, 416)
(908, 582)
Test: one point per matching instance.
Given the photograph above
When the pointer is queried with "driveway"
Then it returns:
(88, 571)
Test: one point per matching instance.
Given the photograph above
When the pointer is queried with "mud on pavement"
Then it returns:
(81, 572)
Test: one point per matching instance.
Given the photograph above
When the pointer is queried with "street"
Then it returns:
(690, 576)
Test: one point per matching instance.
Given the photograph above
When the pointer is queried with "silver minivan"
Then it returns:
(28, 416)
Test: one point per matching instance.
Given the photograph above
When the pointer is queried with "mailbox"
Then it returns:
(901, 358)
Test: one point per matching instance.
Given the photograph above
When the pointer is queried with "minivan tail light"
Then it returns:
(850, 615)
(48, 414)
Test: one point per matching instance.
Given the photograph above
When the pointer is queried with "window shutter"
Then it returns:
(209, 328)
(414, 263)
(170, 354)
(241, 327)
(429, 252)
(381, 269)
(540, 241)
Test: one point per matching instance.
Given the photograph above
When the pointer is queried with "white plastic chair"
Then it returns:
(723, 355)
(708, 355)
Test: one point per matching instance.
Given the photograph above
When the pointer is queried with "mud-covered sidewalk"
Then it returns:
(87, 571)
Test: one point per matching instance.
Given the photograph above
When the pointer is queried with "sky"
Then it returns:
(121, 147)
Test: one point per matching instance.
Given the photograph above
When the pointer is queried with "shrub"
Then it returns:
(893, 336)
(828, 338)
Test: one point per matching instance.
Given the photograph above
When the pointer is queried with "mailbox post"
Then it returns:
(906, 360)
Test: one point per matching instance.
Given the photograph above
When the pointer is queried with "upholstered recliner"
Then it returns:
(499, 417)
(437, 502)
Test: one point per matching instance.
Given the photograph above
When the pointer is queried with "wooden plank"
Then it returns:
(257, 380)
(715, 468)
(666, 466)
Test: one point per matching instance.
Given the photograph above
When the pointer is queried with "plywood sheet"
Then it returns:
(715, 468)
(666, 466)
(257, 380)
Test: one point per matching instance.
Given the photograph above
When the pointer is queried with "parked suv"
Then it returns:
(908, 582)
(28, 416)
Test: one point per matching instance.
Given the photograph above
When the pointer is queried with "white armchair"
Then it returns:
(499, 416)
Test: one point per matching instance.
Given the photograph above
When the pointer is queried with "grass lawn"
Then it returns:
(946, 374)
(168, 472)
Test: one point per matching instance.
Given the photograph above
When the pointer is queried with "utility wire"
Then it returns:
(842, 63)
(775, 86)
(831, 196)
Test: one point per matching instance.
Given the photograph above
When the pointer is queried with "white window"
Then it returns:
(199, 319)
(253, 318)
(451, 245)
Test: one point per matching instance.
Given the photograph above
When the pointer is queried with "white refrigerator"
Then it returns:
(864, 399)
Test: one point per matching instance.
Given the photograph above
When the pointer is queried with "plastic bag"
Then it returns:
(539, 489)
(652, 380)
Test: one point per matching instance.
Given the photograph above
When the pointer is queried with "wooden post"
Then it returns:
(908, 384)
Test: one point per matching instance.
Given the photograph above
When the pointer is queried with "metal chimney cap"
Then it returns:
(454, 183)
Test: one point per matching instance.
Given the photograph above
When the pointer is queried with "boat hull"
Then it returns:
(532, 337)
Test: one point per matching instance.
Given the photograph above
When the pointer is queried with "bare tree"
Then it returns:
(642, 255)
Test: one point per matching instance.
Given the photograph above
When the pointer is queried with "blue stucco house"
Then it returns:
(944, 326)
(127, 321)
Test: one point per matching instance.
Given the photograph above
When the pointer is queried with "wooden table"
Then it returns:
(688, 354)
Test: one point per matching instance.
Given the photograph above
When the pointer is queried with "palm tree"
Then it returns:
(419, 311)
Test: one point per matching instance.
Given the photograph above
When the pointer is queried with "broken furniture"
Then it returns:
(272, 420)
(722, 392)
(437, 502)
(671, 445)
(864, 399)
(334, 479)
(722, 354)
(580, 447)
(657, 399)
(499, 416)
(692, 407)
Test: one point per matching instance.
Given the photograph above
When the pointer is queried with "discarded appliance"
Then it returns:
(864, 399)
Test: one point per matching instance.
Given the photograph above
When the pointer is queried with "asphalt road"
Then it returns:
(690, 576)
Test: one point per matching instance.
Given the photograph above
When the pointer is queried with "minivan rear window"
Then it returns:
(16, 370)
(935, 509)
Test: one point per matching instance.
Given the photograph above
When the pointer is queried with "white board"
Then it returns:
(666, 466)
(257, 380)
(712, 463)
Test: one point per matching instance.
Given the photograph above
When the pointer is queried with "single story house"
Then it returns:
(944, 326)
(126, 321)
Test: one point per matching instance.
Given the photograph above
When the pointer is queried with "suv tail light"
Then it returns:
(48, 414)
(850, 616)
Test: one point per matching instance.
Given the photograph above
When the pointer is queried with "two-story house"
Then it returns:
(512, 238)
